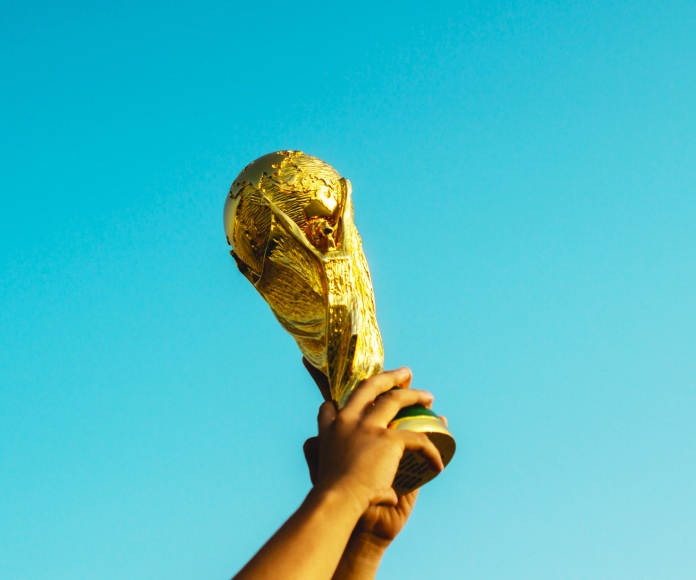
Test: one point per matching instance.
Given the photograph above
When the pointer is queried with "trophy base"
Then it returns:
(414, 470)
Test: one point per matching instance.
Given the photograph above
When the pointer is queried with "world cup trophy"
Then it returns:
(289, 219)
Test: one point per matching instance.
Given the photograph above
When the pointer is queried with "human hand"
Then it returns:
(380, 524)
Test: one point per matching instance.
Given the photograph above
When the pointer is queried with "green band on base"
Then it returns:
(415, 411)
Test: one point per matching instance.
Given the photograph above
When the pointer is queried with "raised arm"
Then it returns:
(377, 527)
(357, 461)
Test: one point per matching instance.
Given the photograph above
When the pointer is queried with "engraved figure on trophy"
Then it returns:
(289, 220)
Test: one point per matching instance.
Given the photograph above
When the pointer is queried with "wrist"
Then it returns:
(338, 499)
(346, 493)
(361, 558)
(367, 546)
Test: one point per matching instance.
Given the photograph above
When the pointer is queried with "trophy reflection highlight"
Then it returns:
(289, 219)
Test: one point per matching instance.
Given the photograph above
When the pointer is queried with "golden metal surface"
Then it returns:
(289, 220)
(414, 470)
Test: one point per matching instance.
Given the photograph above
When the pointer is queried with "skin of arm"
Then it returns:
(357, 461)
(376, 528)
(371, 537)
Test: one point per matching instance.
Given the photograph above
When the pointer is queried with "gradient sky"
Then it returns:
(524, 178)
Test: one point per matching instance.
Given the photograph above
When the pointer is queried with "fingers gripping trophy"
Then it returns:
(289, 220)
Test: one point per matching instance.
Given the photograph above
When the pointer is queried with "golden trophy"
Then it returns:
(289, 219)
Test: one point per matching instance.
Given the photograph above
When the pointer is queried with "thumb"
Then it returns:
(311, 453)
(390, 499)
(327, 414)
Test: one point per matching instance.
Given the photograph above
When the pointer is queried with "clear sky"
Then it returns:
(524, 178)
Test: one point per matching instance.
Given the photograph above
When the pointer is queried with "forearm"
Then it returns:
(310, 544)
(361, 558)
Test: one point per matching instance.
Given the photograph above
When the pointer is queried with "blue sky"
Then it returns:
(524, 182)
